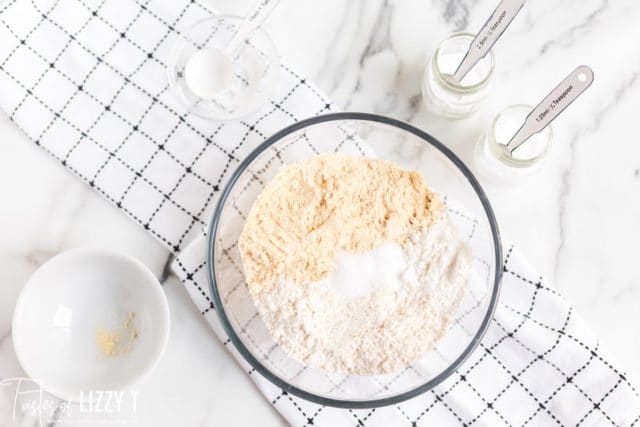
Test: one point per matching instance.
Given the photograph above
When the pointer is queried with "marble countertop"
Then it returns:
(577, 221)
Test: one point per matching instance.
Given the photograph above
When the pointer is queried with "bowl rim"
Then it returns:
(275, 379)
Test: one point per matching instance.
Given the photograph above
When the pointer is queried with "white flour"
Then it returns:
(379, 311)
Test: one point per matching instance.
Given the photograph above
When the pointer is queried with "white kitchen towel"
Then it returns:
(85, 80)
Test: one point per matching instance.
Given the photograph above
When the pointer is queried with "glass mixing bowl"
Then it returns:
(371, 136)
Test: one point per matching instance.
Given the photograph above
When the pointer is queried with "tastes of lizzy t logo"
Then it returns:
(29, 400)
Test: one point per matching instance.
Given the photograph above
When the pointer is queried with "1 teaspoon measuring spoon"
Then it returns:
(488, 35)
(551, 107)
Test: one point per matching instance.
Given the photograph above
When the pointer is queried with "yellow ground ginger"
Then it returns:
(329, 203)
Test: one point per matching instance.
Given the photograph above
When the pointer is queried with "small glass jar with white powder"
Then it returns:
(445, 96)
(495, 164)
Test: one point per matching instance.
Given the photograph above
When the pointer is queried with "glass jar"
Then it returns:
(497, 165)
(445, 96)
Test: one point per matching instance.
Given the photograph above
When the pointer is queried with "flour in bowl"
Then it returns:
(353, 264)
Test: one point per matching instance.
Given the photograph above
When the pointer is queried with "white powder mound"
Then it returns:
(379, 311)
(360, 274)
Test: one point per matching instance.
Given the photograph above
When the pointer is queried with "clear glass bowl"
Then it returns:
(443, 95)
(254, 67)
(372, 136)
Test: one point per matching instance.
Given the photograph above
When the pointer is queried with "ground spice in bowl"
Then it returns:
(353, 264)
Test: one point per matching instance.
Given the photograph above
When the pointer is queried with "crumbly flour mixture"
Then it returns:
(353, 264)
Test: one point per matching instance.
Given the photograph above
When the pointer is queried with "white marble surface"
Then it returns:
(578, 222)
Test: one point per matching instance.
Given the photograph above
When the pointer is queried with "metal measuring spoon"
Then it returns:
(551, 107)
(488, 35)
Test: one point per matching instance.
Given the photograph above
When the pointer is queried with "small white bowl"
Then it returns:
(64, 305)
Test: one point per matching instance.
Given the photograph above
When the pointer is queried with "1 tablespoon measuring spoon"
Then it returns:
(551, 107)
(210, 71)
(488, 35)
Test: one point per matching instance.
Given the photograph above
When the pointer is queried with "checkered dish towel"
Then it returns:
(85, 80)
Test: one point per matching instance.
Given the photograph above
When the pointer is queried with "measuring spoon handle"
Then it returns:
(554, 104)
(258, 13)
(488, 35)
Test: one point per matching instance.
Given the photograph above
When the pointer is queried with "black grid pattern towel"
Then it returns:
(85, 80)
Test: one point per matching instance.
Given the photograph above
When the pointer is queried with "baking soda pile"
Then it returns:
(353, 264)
